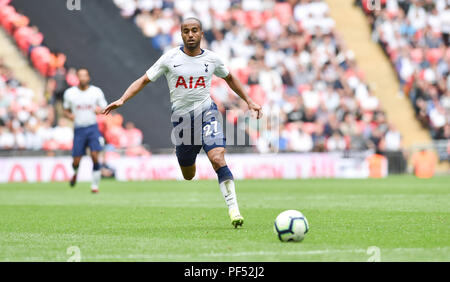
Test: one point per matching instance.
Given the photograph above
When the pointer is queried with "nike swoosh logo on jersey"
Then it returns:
(177, 65)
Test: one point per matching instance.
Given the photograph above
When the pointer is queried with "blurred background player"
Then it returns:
(81, 104)
(188, 70)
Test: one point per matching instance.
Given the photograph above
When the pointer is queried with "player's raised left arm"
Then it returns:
(237, 87)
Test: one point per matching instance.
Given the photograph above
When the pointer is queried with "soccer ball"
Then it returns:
(291, 225)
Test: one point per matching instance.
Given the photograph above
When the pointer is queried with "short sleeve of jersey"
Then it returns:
(221, 70)
(66, 101)
(101, 102)
(158, 68)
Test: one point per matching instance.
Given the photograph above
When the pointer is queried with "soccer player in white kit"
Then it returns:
(81, 104)
(188, 70)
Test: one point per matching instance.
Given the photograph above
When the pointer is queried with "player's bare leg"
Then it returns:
(75, 165)
(226, 184)
(96, 172)
(188, 171)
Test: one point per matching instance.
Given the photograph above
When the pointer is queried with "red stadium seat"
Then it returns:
(22, 35)
(5, 12)
(8, 18)
(239, 16)
(50, 145)
(72, 79)
(253, 19)
(419, 34)
(434, 55)
(40, 56)
(3, 3)
(290, 126)
(257, 94)
(222, 16)
(243, 74)
(27, 36)
(266, 15)
(36, 38)
(416, 55)
(11, 20)
(303, 87)
(113, 136)
(283, 12)
(65, 146)
(101, 121)
(21, 21)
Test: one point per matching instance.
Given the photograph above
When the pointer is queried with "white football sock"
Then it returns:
(229, 194)
(96, 175)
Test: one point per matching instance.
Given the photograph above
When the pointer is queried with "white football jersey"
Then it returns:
(83, 104)
(189, 78)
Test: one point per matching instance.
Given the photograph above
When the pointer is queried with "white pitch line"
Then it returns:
(186, 256)
(237, 254)
(267, 253)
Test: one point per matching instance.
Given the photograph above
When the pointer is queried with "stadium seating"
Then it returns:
(26, 122)
(24, 119)
(415, 37)
(28, 39)
(284, 52)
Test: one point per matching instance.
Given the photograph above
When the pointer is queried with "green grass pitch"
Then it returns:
(406, 218)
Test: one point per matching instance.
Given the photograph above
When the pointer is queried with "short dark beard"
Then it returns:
(193, 47)
(83, 86)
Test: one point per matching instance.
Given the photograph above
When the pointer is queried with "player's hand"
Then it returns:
(255, 108)
(114, 105)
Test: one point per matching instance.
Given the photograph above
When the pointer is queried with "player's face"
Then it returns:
(191, 34)
(83, 77)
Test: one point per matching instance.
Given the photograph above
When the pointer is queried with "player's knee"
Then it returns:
(218, 160)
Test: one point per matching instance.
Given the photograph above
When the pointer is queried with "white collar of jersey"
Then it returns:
(181, 48)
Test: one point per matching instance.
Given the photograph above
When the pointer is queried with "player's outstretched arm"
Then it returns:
(237, 87)
(131, 91)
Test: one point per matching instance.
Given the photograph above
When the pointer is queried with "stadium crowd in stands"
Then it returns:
(415, 36)
(35, 122)
(26, 119)
(293, 63)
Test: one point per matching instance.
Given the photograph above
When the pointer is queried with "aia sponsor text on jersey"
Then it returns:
(84, 107)
(181, 82)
